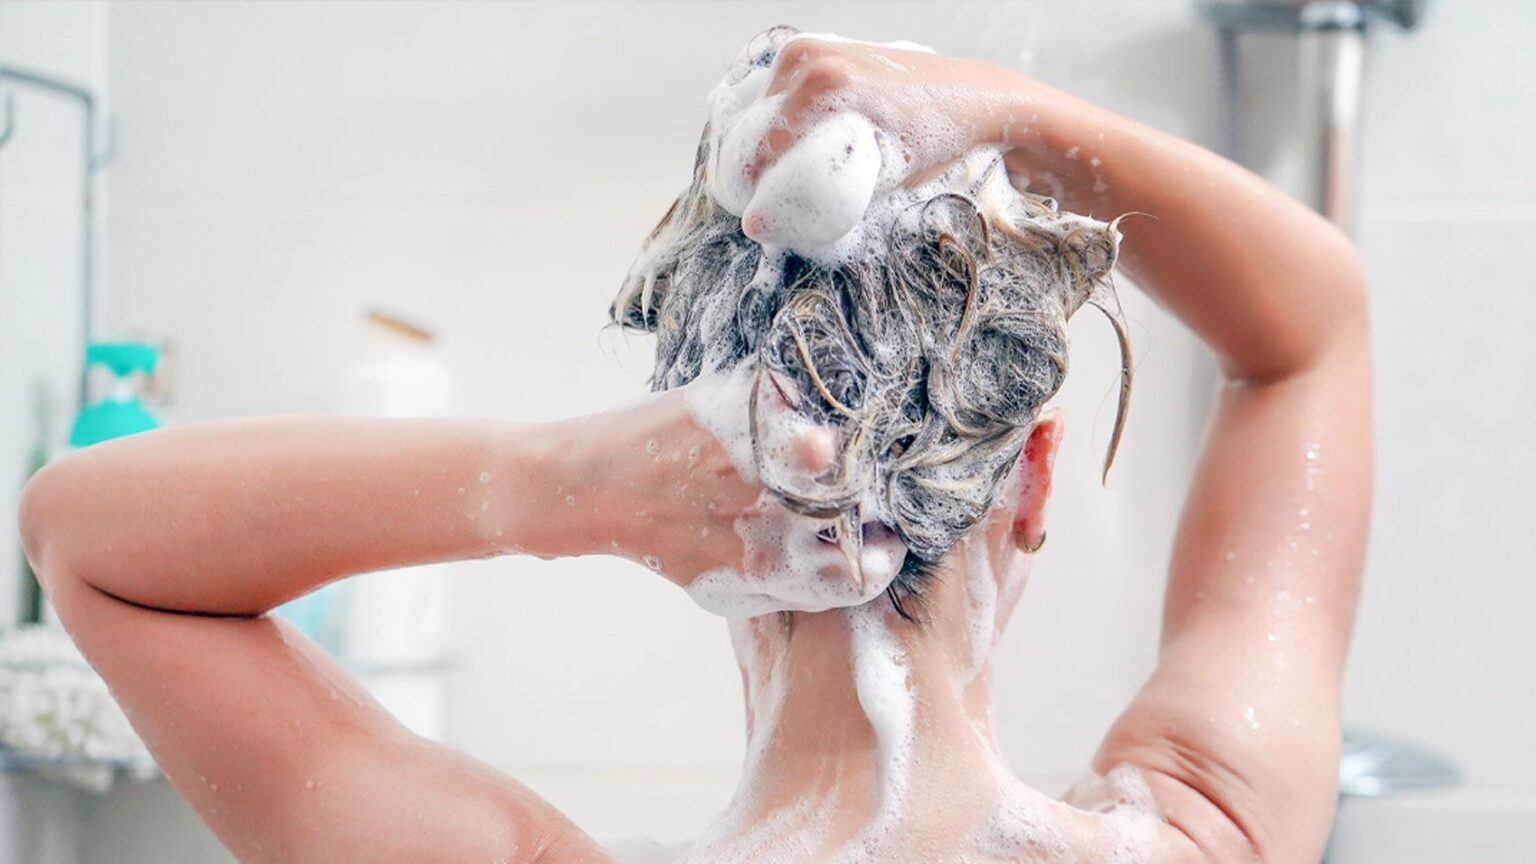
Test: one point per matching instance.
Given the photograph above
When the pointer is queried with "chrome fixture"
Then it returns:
(1331, 35)
(91, 162)
(10, 119)
(1374, 765)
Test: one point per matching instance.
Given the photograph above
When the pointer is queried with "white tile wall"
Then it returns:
(1447, 634)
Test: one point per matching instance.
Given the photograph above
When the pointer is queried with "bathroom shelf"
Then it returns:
(437, 665)
(14, 762)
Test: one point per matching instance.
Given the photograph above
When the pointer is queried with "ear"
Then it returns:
(1035, 468)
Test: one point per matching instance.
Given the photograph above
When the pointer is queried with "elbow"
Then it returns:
(1350, 296)
(34, 516)
(1324, 322)
(44, 520)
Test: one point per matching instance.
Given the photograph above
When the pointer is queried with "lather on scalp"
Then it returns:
(930, 347)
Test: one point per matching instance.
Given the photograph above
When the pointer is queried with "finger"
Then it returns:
(815, 450)
(812, 449)
(806, 72)
(783, 133)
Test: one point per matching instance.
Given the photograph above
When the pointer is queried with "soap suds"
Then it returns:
(924, 324)
(1131, 816)
(787, 565)
(880, 675)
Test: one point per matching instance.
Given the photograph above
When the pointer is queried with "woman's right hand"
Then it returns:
(653, 485)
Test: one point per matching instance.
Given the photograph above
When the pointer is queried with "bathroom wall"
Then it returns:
(490, 168)
(40, 170)
(1447, 635)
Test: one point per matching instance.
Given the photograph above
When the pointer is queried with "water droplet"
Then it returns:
(484, 506)
(652, 447)
(1270, 637)
(461, 490)
(570, 500)
(213, 787)
(693, 454)
(485, 476)
(309, 784)
(652, 562)
(1230, 556)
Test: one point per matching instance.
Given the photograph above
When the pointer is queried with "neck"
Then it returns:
(855, 715)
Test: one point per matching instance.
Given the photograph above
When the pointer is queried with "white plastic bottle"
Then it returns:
(391, 625)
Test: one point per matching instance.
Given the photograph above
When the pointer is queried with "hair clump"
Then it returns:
(931, 349)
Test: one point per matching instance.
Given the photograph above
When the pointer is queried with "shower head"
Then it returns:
(1309, 14)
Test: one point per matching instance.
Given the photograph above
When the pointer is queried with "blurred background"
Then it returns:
(262, 176)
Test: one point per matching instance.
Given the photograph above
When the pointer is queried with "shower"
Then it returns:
(1331, 38)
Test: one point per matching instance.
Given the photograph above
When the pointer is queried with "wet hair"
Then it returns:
(930, 351)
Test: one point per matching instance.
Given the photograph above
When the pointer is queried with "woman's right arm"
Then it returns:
(1239, 726)
(1238, 729)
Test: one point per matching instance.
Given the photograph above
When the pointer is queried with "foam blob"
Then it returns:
(816, 193)
(1131, 816)
(811, 199)
(881, 678)
(741, 118)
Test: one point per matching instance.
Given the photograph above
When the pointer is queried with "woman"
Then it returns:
(1233, 742)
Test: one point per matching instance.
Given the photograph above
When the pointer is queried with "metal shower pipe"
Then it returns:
(91, 161)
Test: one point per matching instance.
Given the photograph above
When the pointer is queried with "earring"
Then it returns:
(1030, 550)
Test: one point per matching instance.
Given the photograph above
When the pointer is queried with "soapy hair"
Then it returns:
(929, 350)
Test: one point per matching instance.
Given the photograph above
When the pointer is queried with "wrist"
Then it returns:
(534, 472)
(1059, 145)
